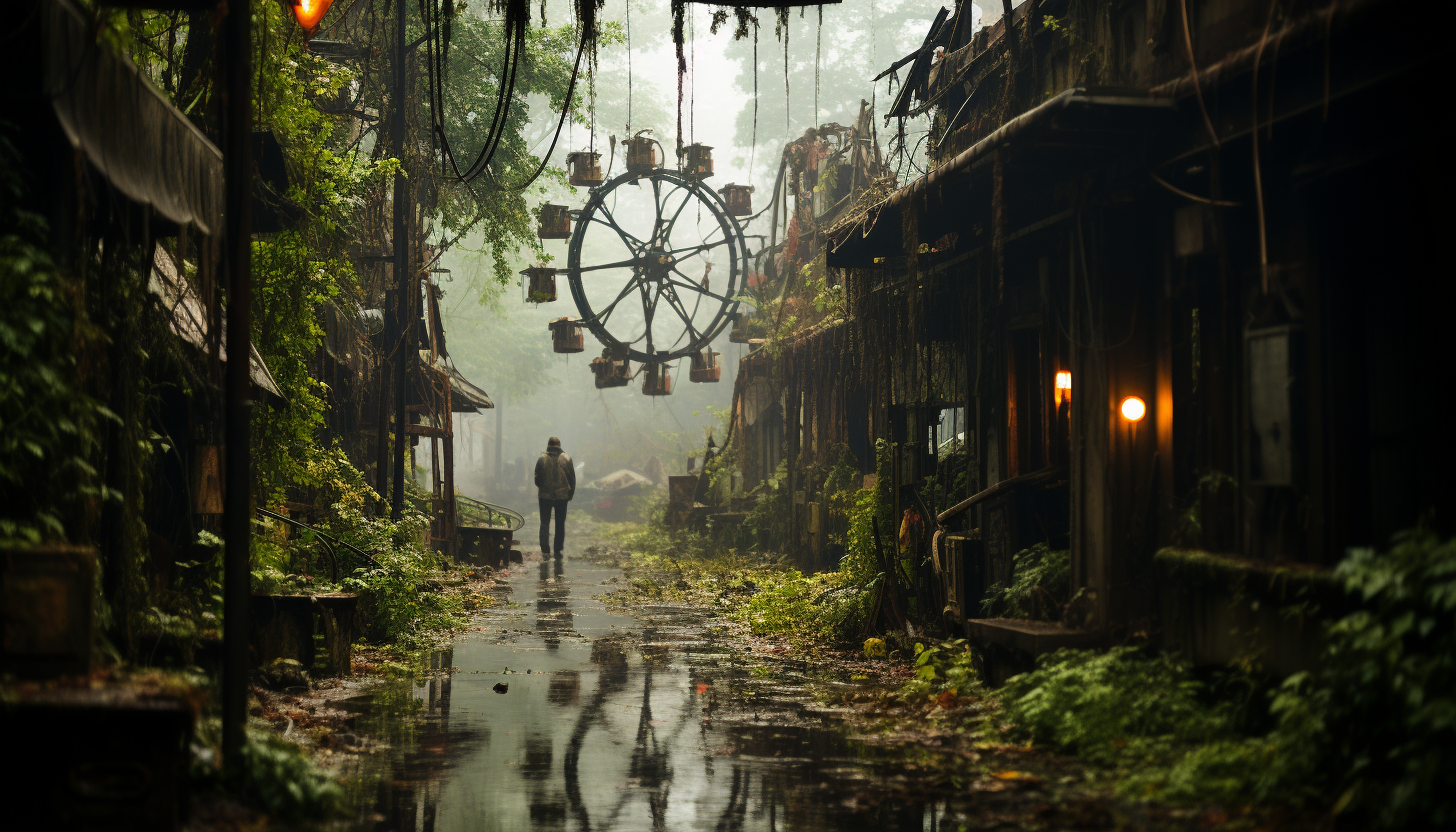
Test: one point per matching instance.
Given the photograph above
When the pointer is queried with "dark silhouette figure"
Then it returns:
(555, 485)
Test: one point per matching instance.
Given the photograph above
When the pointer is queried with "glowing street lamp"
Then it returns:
(308, 13)
(1133, 409)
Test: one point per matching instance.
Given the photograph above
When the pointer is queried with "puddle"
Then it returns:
(609, 722)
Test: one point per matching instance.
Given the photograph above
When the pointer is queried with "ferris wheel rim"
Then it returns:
(674, 279)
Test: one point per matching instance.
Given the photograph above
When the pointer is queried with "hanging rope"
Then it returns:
(818, 50)
(784, 22)
(693, 74)
(753, 142)
(629, 67)
(682, 65)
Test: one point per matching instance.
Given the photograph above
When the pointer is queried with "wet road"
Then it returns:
(613, 722)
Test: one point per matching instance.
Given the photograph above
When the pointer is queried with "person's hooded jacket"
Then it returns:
(555, 475)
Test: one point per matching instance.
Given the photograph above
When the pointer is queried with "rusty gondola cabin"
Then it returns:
(644, 154)
(566, 336)
(540, 284)
(611, 372)
(555, 222)
(658, 381)
(738, 198)
(584, 169)
(707, 367)
(698, 161)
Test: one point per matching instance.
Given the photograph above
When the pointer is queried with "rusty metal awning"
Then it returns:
(1074, 121)
(464, 396)
(145, 147)
(187, 318)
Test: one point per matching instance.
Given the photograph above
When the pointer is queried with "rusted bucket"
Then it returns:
(738, 198)
(584, 169)
(555, 222)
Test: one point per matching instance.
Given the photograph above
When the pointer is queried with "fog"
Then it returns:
(500, 342)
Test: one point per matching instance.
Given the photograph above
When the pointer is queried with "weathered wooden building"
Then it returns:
(1175, 260)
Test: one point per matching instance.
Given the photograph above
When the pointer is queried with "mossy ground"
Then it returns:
(922, 700)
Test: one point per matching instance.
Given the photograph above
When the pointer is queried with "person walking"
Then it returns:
(555, 485)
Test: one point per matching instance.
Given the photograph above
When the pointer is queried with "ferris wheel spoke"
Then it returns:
(618, 265)
(649, 310)
(611, 222)
(687, 283)
(667, 233)
(700, 247)
(601, 317)
(677, 306)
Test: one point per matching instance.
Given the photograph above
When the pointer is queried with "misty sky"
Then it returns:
(502, 343)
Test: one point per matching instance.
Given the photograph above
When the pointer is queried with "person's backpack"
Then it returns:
(555, 474)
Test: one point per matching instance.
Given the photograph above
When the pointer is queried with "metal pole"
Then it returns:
(237, 173)
(404, 331)
(499, 432)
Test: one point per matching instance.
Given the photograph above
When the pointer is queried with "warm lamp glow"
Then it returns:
(1133, 409)
(1064, 380)
(308, 13)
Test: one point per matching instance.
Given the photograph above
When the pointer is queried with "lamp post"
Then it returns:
(237, 495)
(400, 242)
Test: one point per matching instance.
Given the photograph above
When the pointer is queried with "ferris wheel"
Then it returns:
(655, 264)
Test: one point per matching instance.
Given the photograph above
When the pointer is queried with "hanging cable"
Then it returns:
(818, 50)
(753, 142)
(784, 21)
(629, 68)
(565, 109)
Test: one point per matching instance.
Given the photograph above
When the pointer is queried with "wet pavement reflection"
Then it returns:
(562, 714)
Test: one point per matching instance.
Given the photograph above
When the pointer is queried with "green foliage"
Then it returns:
(948, 667)
(800, 608)
(49, 425)
(1041, 581)
(1145, 716)
(1380, 713)
(276, 775)
(768, 517)
(1375, 723)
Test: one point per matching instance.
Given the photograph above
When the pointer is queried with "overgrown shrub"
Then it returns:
(276, 775)
(1380, 713)
(49, 425)
(1113, 706)
(1041, 581)
(948, 667)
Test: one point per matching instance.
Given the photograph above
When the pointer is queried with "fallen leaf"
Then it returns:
(1018, 776)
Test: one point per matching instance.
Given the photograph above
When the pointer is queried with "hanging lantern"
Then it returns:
(555, 222)
(566, 335)
(698, 162)
(658, 382)
(611, 372)
(738, 198)
(541, 284)
(308, 13)
(707, 367)
(644, 153)
(584, 169)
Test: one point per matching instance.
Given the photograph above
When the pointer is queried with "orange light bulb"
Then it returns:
(1134, 409)
(308, 13)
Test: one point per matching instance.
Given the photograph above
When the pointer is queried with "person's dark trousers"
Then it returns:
(547, 507)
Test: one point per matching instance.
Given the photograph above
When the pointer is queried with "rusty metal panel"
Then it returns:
(1273, 355)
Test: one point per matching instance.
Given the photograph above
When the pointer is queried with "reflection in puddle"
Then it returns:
(613, 724)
